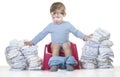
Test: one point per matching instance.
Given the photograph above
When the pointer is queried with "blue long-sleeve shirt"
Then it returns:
(59, 33)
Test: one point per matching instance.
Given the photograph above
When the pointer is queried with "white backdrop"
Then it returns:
(23, 19)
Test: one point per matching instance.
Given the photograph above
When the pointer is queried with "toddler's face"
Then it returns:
(57, 18)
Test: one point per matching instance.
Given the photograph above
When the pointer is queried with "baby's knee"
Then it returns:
(66, 45)
(55, 46)
(55, 49)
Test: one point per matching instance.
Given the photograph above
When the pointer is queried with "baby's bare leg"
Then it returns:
(55, 49)
(55, 52)
(67, 49)
(68, 53)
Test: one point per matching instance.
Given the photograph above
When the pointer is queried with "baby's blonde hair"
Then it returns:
(57, 8)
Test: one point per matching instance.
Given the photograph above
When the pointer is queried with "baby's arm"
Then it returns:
(38, 37)
(79, 34)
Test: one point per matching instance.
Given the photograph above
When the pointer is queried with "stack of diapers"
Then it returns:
(21, 57)
(105, 54)
(97, 52)
(31, 56)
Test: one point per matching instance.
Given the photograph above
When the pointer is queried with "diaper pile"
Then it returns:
(97, 52)
(21, 57)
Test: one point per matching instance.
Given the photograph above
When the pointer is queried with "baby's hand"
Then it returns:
(87, 37)
(29, 43)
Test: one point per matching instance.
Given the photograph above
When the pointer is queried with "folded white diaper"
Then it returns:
(106, 43)
(89, 52)
(105, 52)
(101, 34)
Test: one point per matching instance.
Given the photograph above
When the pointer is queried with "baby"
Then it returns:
(59, 30)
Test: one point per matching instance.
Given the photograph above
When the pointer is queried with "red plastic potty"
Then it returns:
(48, 54)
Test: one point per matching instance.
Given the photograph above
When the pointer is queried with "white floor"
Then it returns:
(114, 72)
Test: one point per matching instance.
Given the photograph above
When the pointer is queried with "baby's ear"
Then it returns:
(64, 14)
(51, 13)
